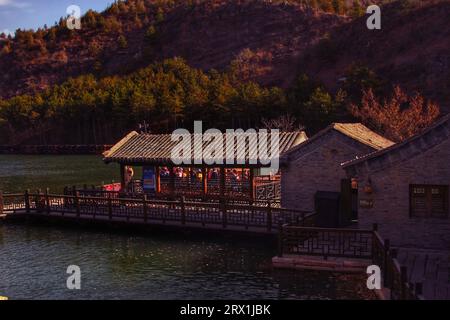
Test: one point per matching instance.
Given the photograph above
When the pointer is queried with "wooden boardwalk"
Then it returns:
(205, 215)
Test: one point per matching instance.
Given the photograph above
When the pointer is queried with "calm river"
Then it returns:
(119, 265)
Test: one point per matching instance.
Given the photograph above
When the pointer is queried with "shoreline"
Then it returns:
(59, 149)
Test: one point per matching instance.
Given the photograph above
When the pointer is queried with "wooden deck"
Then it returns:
(346, 250)
(204, 215)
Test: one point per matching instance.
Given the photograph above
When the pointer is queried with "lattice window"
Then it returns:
(429, 201)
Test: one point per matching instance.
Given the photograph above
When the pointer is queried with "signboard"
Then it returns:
(366, 203)
(148, 179)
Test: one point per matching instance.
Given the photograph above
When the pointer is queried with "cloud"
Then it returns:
(14, 4)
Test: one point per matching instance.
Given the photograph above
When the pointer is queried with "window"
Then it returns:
(429, 201)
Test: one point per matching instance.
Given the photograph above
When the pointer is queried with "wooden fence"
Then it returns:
(206, 214)
(355, 244)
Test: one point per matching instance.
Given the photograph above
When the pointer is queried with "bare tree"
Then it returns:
(285, 123)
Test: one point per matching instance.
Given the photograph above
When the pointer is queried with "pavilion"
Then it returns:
(238, 178)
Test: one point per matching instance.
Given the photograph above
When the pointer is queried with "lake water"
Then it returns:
(120, 265)
(21, 172)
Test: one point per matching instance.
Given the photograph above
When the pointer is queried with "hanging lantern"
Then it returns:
(354, 184)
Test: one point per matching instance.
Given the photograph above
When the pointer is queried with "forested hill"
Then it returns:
(132, 34)
(245, 56)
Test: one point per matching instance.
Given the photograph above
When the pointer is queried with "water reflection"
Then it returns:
(33, 262)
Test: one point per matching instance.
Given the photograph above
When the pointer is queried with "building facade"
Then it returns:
(405, 189)
(315, 165)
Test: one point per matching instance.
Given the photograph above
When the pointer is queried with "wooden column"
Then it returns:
(158, 180)
(222, 183)
(251, 178)
(122, 177)
(204, 182)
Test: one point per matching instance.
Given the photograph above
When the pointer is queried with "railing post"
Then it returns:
(77, 203)
(392, 255)
(280, 240)
(404, 281)
(110, 211)
(47, 201)
(183, 211)
(27, 201)
(39, 201)
(387, 248)
(1, 202)
(144, 207)
(269, 216)
(224, 213)
(375, 227)
(418, 289)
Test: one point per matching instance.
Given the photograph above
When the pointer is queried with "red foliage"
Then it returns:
(398, 118)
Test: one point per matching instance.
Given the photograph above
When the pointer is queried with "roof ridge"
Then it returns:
(120, 143)
(341, 128)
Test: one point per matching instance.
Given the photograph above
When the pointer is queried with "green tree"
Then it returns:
(122, 42)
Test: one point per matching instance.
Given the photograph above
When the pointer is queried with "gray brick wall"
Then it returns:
(390, 198)
(317, 167)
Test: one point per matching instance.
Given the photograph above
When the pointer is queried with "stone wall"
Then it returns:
(316, 166)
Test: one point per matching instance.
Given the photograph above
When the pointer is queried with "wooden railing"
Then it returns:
(265, 189)
(351, 243)
(268, 191)
(194, 196)
(142, 210)
(326, 242)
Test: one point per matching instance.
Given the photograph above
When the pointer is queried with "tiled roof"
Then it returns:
(434, 135)
(355, 131)
(360, 132)
(157, 148)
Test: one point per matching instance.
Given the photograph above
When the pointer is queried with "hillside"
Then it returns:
(207, 34)
(273, 58)
(412, 50)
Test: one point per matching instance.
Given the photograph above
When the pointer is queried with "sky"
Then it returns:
(32, 14)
